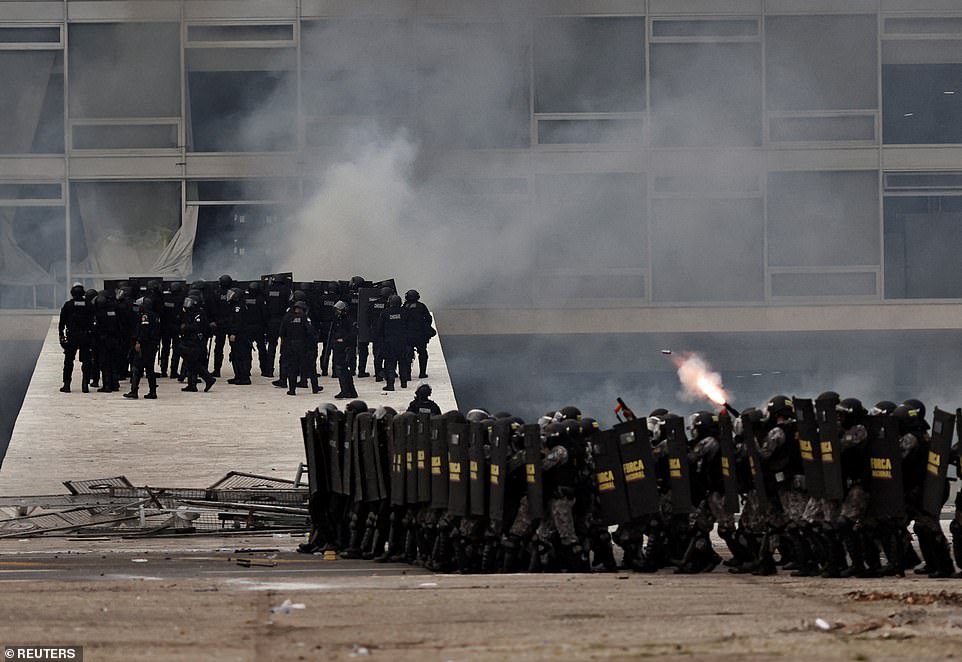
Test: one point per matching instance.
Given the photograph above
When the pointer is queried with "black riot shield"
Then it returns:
(348, 477)
(314, 453)
(406, 427)
(332, 422)
(678, 470)
(388, 282)
(422, 458)
(439, 462)
(498, 467)
(885, 464)
(936, 486)
(364, 322)
(729, 477)
(382, 457)
(637, 467)
(477, 470)
(610, 478)
(808, 444)
(830, 449)
(397, 451)
(533, 469)
(367, 452)
(750, 437)
(457, 468)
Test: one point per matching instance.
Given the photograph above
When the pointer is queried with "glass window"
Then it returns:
(705, 249)
(244, 239)
(33, 246)
(124, 70)
(589, 65)
(823, 219)
(31, 105)
(706, 94)
(922, 236)
(473, 85)
(821, 62)
(922, 103)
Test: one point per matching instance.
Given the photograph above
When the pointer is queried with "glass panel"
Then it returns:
(926, 180)
(33, 245)
(943, 25)
(560, 132)
(720, 28)
(823, 284)
(707, 250)
(10, 35)
(240, 33)
(589, 65)
(922, 103)
(922, 236)
(245, 189)
(124, 70)
(473, 85)
(706, 94)
(591, 221)
(823, 219)
(821, 62)
(817, 129)
(240, 239)
(125, 136)
(558, 288)
(706, 184)
(50, 191)
(31, 106)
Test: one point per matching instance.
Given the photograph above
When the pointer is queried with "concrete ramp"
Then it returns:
(178, 440)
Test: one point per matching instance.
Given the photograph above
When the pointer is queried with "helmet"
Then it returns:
(394, 302)
(382, 412)
(101, 300)
(908, 418)
(90, 294)
(554, 433)
(225, 281)
(153, 284)
(571, 427)
(477, 415)
(357, 406)
(177, 287)
(502, 414)
(569, 413)
(658, 413)
(300, 305)
(357, 282)
(423, 391)
(340, 308)
(189, 302)
(587, 427)
(77, 291)
(828, 395)
(882, 407)
(254, 286)
(779, 406)
(298, 295)
(915, 403)
(454, 415)
(850, 412)
(412, 295)
(386, 291)
(144, 303)
(703, 424)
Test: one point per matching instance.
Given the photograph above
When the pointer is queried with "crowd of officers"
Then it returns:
(131, 328)
(817, 487)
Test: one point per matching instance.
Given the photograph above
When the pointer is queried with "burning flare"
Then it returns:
(698, 380)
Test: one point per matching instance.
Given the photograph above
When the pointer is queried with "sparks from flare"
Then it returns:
(698, 380)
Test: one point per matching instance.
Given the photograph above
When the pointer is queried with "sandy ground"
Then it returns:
(191, 601)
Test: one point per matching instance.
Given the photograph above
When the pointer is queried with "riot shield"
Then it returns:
(348, 478)
(729, 478)
(382, 454)
(885, 464)
(332, 421)
(636, 467)
(422, 459)
(278, 293)
(750, 439)
(367, 452)
(498, 467)
(314, 453)
(808, 444)
(533, 469)
(439, 462)
(477, 469)
(397, 450)
(830, 450)
(678, 470)
(389, 282)
(457, 468)
(409, 421)
(365, 331)
(610, 478)
(936, 486)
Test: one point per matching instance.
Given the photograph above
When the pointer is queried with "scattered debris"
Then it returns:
(250, 563)
(359, 651)
(912, 598)
(287, 607)
(822, 624)
(138, 560)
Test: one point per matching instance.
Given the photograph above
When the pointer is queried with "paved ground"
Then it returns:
(179, 440)
(136, 600)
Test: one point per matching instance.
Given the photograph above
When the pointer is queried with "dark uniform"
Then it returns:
(422, 402)
(75, 329)
(343, 340)
(146, 343)
(256, 320)
(419, 331)
(170, 329)
(193, 338)
(391, 335)
(109, 333)
(240, 342)
(218, 311)
(299, 346)
(374, 311)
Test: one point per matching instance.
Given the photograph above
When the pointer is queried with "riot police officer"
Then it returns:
(240, 341)
(343, 340)
(219, 314)
(256, 320)
(419, 331)
(193, 334)
(75, 329)
(145, 349)
(298, 345)
(391, 335)
(109, 334)
(170, 329)
(422, 402)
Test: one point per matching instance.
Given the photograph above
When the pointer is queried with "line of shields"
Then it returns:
(463, 468)
(420, 460)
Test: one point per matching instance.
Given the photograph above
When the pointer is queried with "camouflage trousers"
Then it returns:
(751, 518)
(793, 501)
(521, 526)
(559, 520)
(710, 511)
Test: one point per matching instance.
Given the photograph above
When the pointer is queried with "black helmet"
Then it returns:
(851, 412)
(77, 291)
(658, 413)
(394, 302)
(882, 407)
(153, 284)
(300, 305)
(189, 302)
(177, 287)
(909, 418)
(587, 427)
(780, 406)
(568, 413)
(454, 415)
(423, 391)
(412, 295)
(554, 433)
(298, 295)
(826, 395)
(386, 291)
(90, 294)
(357, 282)
(477, 415)
(225, 281)
(704, 424)
(915, 403)
(101, 300)
(357, 406)
(254, 286)
(502, 414)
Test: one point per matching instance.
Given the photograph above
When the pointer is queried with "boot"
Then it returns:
(956, 529)
(511, 560)
(489, 557)
(765, 565)
(423, 365)
(738, 552)
(894, 545)
(134, 386)
(353, 550)
(393, 543)
(209, 382)
(65, 388)
(410, 546)
(928, 550)
(291, 383)
(853, 544)
(604, 554)
(835, 565)
(390, 382)
(943, 559)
